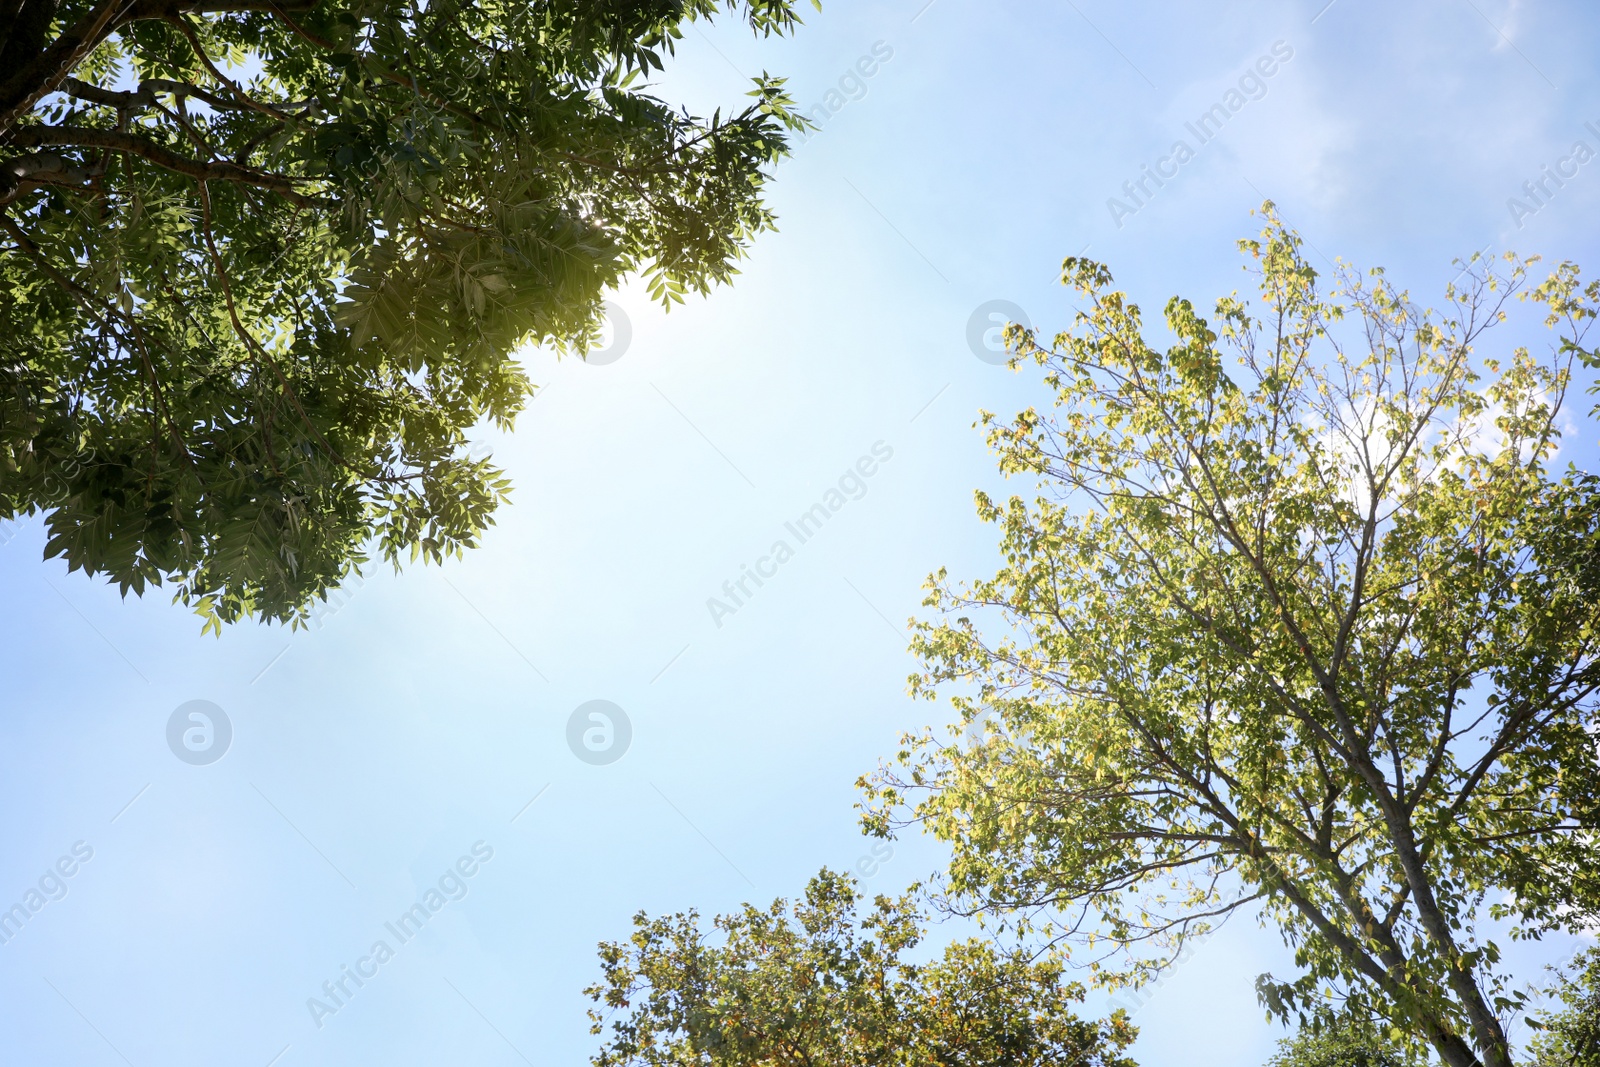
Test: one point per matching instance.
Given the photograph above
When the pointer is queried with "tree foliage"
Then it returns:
(1569, 1036)
(264, 262)
(1302, 621)
(1343, 1041)
(812, 986)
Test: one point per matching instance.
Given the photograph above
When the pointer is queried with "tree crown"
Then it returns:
(267, 260)
(1303, 621)
(813, 984)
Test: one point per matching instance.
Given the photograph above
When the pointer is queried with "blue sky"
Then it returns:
(371, 754)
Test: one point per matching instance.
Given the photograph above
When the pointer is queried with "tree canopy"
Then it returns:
(1341, 1042)
(264, 262)
(1569, 1035)
(812, 985)
(1303, 620)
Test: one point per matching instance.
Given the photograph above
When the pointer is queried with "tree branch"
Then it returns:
(144, 148)
(39, 168)
(44, 73)
(38, 78)
(145, 96)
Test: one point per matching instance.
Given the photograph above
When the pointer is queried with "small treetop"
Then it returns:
(813, 984)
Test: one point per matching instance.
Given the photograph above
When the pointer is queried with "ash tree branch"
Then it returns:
(40, 76)
(145, 96)
(39, 168)
(146, 149)
(39, 70)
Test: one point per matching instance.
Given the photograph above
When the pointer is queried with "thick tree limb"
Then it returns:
(45, 71)
(144, 148)
(145, 95)
(40, 168)
(23, 26)
(9, 10)
(43, 74)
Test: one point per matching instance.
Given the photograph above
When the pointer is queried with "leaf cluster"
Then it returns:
(1569, 1036)
(264, 264)
(812, 985)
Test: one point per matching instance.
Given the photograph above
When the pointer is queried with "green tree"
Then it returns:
(264, 262)
(1343, 1042)
(1301, 622)
(813, 987)
(1569, 1036)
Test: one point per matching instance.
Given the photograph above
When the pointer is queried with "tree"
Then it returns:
(1310, 631)
(265, 261)
(1345, 1042)
(1570, 1035)
(819, 989)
